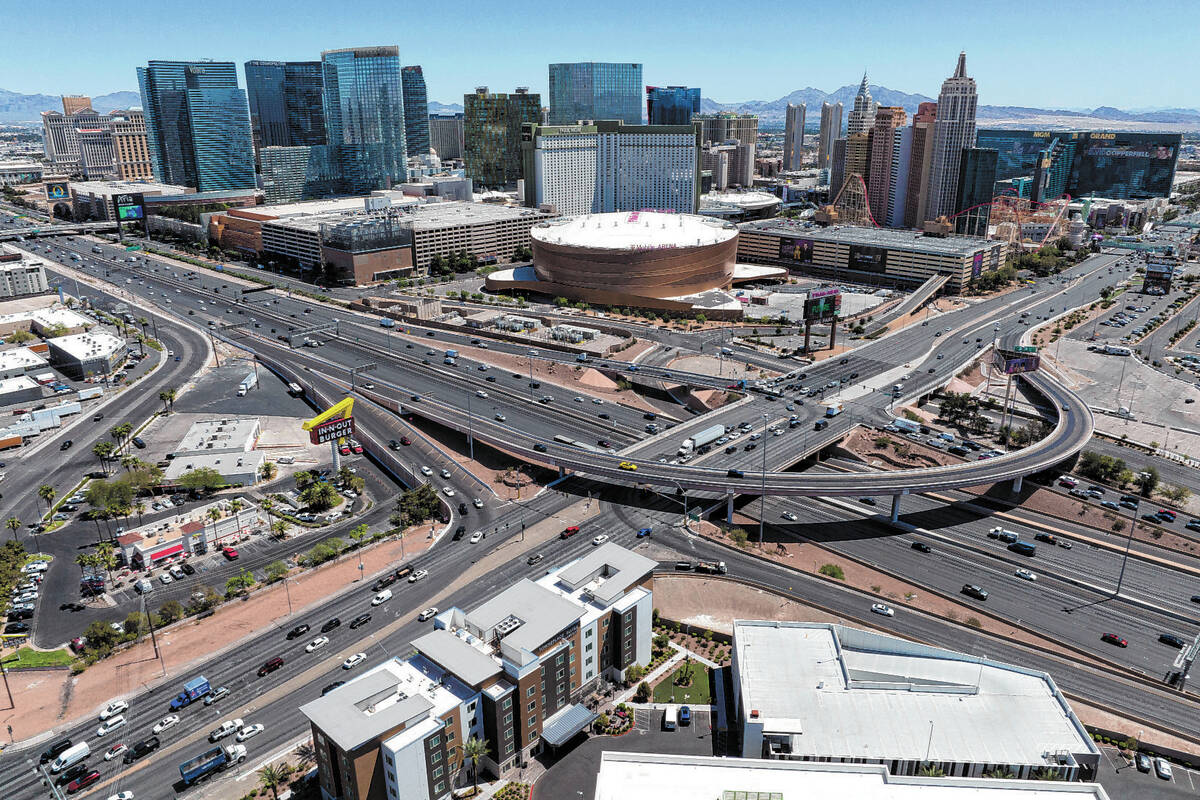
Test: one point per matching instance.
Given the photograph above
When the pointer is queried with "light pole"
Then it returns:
(762, 498)
(1128, 541)
(470, 428)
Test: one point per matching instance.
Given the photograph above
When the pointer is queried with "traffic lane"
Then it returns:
(1039, 605)
(1121, 696)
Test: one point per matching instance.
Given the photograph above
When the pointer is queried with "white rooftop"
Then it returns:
(844, 692)
(225, 463)
(651, 776)
(17, 384)
(20, 358)
(220, 435)
(82, 346)
(634, 230)
(60, 315)
(747, 200)
(109, 188)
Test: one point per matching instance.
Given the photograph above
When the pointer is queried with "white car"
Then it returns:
(114, 708)
(165, 578)
(111, 724)
(477, 503)
(166, 723)
(500, 418)
(1026, 574)
(597, 401)
(481, 393)
(115, 750)
(427, 614)
(446, 490)
(789, 516)
(382, 597)
(1162, 768)
(885, 610)
(354, 660)
(418, 575)
(578, 399)
(316, 644)
(125, 795)
(445, 473)
(476, 537)
(426, 471)
(599, 540)
(253, 730)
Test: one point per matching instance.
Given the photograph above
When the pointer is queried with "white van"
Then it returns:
(176, 572)
(72, 755)
(670, 718)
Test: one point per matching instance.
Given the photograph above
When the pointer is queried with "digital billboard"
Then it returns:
(58, 190)
(977, 265)
(129, 207)
(1158, 278)
(867, 258)
(822, 305)
(798, 250)
(1015, 363)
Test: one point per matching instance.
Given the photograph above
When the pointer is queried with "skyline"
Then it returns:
(1050, 70)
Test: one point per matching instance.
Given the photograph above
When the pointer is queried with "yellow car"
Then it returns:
(629, 465)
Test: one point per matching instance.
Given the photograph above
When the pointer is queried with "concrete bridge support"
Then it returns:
(895, 508)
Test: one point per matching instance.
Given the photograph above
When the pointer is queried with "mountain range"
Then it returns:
(16, 108)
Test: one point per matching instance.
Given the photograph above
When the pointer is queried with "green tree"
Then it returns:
(359, 534)
(103, 451)
(201, 479)
(419, 504)
(275, 571)
(47, 493)
(1147, 481)
(167, 397)
(14, 525)
(239, 583)
(171, 611)
(268, 471)
(280, 528)
(929, 769)
(473, 750)
(319, 496)
(303, 478)
(269, 777)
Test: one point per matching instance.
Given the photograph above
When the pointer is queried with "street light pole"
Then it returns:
(1128, 541)
(470, 428)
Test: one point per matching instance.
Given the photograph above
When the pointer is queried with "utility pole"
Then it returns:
(762, 498)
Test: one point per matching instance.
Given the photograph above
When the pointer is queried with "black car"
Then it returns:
(187, 568)
(330, 625)
(751, 446)
(297, 631)
(736, 473)
(971, 590)
(1172, 639)
(490, 379)
(541, 448)
(462, 508)
(141, 749)
(331, 687)
(394, 444)
(16, 627)
(383, 583)
(921, 547)
(72, 606)
(533, 559)
(869, 501)
(731, 449)
(66, 445)
(359, 621)
(138, 443)
(71, 773)
(458, 532)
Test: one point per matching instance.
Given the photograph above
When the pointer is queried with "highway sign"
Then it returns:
(133, 247)
(1024, 348)
(333, 429)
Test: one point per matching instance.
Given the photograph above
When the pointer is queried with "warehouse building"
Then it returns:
(85, 354)
(651, 776)
(821, 692)
(215, 436)
(20, 361)
(880, 256)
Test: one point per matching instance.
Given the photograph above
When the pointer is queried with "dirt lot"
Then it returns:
(712, 366)
(910, 455)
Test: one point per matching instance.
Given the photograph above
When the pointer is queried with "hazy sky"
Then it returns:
(1051, 55)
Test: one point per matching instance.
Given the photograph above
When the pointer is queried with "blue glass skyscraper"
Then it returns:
(595, 91)
(197, 124)
(285, 103)
(671, 105)
(416, 111)
(364, 115)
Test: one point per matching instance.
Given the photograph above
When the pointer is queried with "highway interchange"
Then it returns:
(957, 547)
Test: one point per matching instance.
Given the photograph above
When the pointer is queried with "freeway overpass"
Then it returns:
(50, 229)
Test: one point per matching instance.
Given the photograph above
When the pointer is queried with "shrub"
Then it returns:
(832, 571)
(974, 622)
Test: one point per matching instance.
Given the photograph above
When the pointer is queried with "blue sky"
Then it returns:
(1061, 55)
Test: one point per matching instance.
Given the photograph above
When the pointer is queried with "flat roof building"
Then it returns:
(84, 354)
(870, 255)
(822, 692)
(20, 361)
(20, 276)
(511, 671)
(651, 776)
(21, 389)
(213, 436)
(237, 468)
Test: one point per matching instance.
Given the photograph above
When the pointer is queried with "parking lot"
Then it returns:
(574, 773)
(1122, 780)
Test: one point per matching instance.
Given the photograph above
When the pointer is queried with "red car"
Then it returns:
(569, 532)
(1112, 638)
(229, 553)
(344, 449)
(83, 782)
(404, 440)
(356, 447)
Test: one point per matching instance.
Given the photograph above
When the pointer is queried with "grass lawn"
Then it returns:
(26, 657)
(699, 693)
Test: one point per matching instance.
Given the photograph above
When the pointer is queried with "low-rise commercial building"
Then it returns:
(20, 361)
(20, 276)
(50, 319)
(869, 255)
(19, 390)
(215, 436)
(92, 200)
(236, 468)
(14, 173)
(189, 532)
(511, 672)
(651, 776)
(821, 692)
(85, 354)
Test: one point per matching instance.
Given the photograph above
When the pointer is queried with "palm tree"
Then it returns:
(473, 750)
(106, 556)
(139, 507)
(103, 451)
(1046, 774)
(281, 527)
(235, 505)
(129, 462)
(47, 493)
(269, 471)
(14, 525)
(320, 495)
(269, 777)
(214, 515)
(143, 322)
(931, 770)
(1000, 772)
(120, 432)
(168, 400)
(267, 504)
(303, 478)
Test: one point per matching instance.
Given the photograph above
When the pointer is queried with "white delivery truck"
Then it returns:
(71, 756)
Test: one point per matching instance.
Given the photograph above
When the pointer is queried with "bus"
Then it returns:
(1024, 548)
(295, 390)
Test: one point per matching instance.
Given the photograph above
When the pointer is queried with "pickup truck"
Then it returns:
(227, 728)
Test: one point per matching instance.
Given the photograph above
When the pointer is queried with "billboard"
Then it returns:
(333, 429)
(867, 258)
(129, 207)
(822, 305)
(977, 265)
(1015, 363)
(58, 190)
(798, 250)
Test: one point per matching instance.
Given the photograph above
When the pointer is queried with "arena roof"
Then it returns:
(634, 230)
